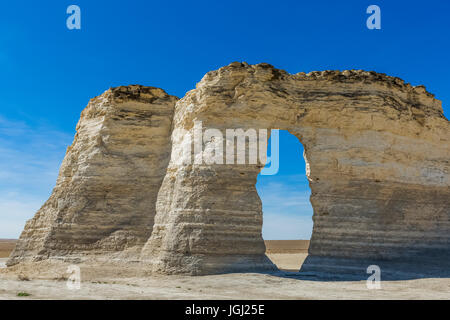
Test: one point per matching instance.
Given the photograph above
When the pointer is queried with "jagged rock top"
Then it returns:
(334, 75)
(416, 96)
(115, 96)
(134, 92)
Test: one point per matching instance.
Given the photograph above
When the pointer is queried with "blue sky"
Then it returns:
(48, 73)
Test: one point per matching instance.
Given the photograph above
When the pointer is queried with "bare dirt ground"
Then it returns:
(288, 255)
(43, 281)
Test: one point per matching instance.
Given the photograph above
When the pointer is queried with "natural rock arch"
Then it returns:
(378, 152)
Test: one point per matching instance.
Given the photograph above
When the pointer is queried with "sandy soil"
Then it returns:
(288, 261)
(44, 282)
(281, 285)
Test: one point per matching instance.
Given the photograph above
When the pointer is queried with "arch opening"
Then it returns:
(286, 208)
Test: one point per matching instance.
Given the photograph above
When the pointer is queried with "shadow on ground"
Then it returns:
(335, 269)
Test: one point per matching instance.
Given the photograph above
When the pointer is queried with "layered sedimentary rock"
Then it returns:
(378, 162)
(378, 158)
(104, 198)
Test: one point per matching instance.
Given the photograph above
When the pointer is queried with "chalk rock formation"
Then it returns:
(104, 198)
(378, 162)
(378, 152)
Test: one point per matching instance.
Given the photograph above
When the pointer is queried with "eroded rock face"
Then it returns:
(378, 152)
(104, 199)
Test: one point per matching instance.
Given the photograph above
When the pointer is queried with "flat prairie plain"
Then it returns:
(6, 246)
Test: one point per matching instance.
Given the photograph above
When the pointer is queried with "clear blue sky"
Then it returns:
(48, 73)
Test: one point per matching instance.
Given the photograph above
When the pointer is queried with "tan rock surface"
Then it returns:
(104, 198)
(378, 153)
